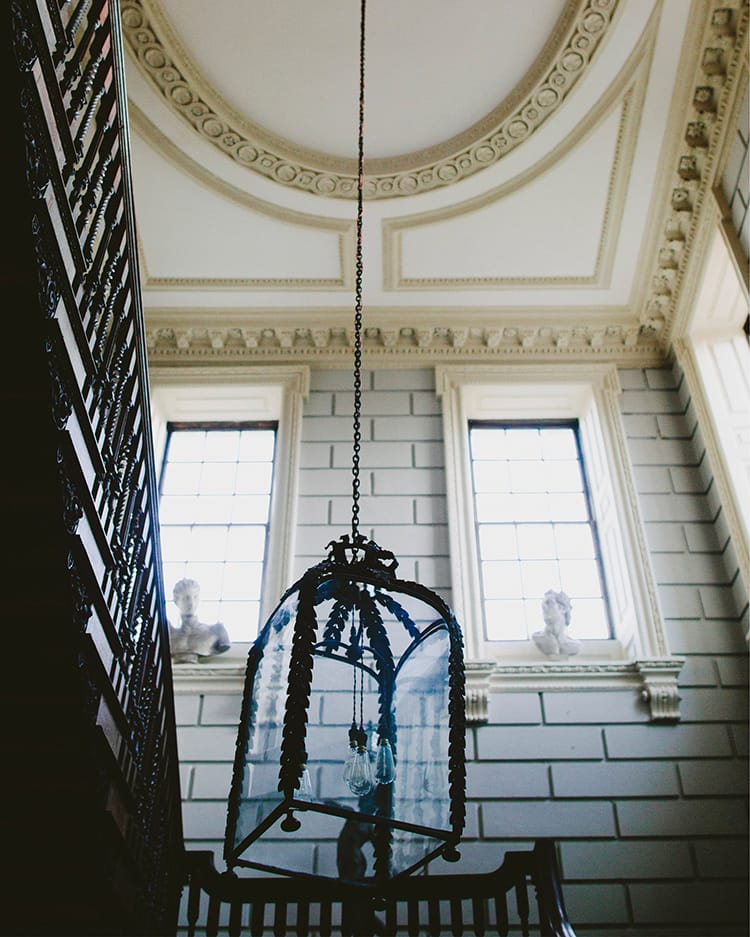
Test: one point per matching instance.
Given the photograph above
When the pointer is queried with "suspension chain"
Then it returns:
(357, 436)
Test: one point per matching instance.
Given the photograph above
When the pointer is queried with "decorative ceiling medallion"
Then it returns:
(165, 63)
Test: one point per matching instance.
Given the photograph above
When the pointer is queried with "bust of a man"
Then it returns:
(553, 641)
(194, 641)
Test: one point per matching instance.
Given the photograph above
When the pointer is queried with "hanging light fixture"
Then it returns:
(350, 759)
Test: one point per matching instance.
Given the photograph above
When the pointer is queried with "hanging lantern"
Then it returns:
(350, 756)
(350, 760)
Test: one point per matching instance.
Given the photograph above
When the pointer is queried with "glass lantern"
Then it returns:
(350, 760)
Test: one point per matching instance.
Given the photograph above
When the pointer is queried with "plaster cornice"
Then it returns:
(717, 61)
(168, 68)
(180, 343)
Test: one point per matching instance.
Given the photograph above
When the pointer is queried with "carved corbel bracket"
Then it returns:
(660, 689)
(478, 691)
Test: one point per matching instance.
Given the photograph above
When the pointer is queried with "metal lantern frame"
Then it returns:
(340, 576)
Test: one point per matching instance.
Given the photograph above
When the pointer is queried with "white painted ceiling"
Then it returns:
(521, 156)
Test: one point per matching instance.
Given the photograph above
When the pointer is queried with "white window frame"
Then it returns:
(638, 654)
(262, 393)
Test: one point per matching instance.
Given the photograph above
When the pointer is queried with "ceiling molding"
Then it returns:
(168, 68)
(717, 65)
(627, 92)
(625, 344)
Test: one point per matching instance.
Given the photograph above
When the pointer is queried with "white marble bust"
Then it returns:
(554, 641)
(194, 641)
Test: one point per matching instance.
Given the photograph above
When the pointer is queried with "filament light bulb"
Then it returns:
(385, 763)
(360, 777)
(305, 784)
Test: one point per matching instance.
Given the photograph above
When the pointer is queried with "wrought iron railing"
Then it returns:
(72, 110)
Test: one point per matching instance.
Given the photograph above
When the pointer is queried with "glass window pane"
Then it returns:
(588, 619)
(254, 478)
(568, 507)
(209, 576)
(207, 542)
(536, 542)
(257, 445)
(580, 578)
(528, 476)
(222, 446)
(538, 576)
(172, 573)
(214, 509)
(522, 443)
(486, 443)
(501, 580)
(491, 476)
(498, 541)
(217, 478)
(574, 541)
(174, 544)
(559, 443)
(240, 619)
(177, 509)
(250, 509)
(494, 507)
(245, 541)
(186, 446)
(562, 476)
(242, 580)
(506, 620)
(531, 507)
(181, 478)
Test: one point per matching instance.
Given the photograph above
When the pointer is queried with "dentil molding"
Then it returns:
(628, 344)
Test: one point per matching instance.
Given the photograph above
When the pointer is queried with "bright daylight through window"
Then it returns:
(215, 499)
(535, 528)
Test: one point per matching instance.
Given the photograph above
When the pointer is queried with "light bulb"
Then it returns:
(385, 763)
(305, 784)
(360, 778)
(349, 763)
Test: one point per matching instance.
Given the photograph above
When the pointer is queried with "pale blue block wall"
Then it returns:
(651, 820)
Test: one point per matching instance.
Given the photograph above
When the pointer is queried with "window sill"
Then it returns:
(654, 678)
(222, 674)
(529, 671)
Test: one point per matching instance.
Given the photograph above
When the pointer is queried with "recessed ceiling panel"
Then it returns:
(190, 234)
(550, 229)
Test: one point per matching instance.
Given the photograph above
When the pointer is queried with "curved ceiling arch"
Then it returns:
(574, 37)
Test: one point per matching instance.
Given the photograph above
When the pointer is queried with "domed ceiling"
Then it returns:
(524, 164)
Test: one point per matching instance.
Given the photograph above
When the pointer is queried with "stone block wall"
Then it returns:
(651, 820)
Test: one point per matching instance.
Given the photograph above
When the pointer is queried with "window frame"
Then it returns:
(221, 426)
(261, 393)
(638, 653)
(571, 424)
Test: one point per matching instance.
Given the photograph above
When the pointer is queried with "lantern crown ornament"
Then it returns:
(350, 758)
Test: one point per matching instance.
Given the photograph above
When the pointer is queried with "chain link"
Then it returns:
(357, 429)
